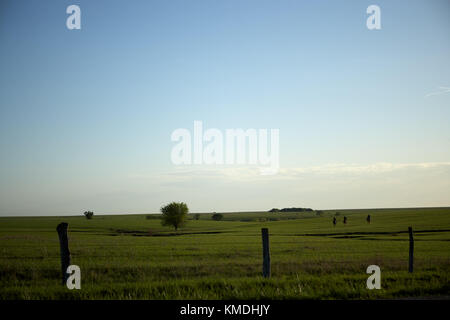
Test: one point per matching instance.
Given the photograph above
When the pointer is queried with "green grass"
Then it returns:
(132, 257)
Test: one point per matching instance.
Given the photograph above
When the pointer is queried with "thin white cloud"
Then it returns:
(253, 173)
(383, 184)
(442, 90)
(380, 167)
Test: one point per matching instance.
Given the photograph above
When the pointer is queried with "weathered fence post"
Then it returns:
(65, 253)
(266, 253)
(411, 249)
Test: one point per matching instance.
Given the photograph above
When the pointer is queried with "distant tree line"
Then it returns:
(291, 210)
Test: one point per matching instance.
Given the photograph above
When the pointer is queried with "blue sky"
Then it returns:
(86, 115)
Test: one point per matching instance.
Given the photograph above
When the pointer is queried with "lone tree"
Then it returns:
(197, 216)
(174, 214)
(88, 214)
(217, 216)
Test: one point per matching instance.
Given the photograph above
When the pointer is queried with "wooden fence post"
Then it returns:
(266, 253)
(411, 249)
(65, 253)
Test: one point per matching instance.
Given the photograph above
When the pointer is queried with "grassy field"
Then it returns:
(134, 257)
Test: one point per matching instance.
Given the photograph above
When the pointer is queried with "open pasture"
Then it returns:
(134, 257)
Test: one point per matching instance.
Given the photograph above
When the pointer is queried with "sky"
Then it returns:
(86, 116)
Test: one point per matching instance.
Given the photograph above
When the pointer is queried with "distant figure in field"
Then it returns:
(345, 220)
(334, 221)
(368, 218)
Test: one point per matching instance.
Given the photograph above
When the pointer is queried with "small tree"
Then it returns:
(174, 214)
(197, 216)
(217, 216)
(88, 214)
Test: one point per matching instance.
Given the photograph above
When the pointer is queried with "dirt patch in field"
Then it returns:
(22, 237)
(150, 233)
(362, 234)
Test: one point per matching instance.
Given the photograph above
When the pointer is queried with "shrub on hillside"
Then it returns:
(89, 214)
(217, 216)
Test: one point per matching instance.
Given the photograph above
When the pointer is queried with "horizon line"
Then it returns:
(228, 212)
